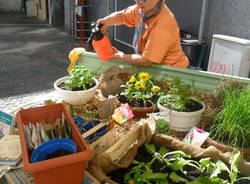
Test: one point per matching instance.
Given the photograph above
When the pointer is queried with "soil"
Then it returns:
(191, 106)
(58, 153)
(144, 156)
(134, 103)
(66, 87)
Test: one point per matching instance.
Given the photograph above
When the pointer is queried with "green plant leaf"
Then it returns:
(206, 180)
(80, 77)
(71, 109)
(234, 161)
(150, 148)
(163, 150)
(176, 178)
(177, 154)
(206, 163)
(220, 166)
(162, 127)
(157, 176)
(178, 165)
(243, 178)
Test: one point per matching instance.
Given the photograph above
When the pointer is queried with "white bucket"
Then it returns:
(75, 97)
(181, 121)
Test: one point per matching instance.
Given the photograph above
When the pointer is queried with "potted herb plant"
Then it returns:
(182, 110)
(231, 125)
(141, 92)
(77, 88)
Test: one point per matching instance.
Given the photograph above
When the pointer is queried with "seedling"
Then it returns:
(80, 77)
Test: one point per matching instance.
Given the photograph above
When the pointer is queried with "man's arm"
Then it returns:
(135, 59)
(114, 19)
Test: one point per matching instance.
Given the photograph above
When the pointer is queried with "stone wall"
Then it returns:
(10, 5)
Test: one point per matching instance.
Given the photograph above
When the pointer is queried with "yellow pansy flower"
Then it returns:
(138, 85)
(143, 87)
(132, 78)
(144, 76)
(155, 89)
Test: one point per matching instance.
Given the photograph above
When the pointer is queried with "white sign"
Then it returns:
(229, 57)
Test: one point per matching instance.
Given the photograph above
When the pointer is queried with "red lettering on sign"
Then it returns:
(218, 67)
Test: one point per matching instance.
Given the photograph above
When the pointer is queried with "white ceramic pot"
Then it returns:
(75, 97)
(181, 121)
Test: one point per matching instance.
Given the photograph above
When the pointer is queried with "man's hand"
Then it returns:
(104, 28)
(117, 54)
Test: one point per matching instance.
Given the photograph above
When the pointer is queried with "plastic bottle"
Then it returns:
(101, 43)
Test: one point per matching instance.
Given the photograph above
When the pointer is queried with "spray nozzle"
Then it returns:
(96, 33)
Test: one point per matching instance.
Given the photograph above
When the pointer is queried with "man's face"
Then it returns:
(146, 5)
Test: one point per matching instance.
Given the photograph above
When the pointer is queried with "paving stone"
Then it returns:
(33, 55)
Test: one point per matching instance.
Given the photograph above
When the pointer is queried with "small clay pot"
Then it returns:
(141, 112)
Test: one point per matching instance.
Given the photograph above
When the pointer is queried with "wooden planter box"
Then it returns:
(203, 80)
(65, 169)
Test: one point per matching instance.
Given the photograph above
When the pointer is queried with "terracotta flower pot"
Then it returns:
(141, 112)
(64, 169)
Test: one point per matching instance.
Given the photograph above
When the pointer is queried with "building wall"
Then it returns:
(56, 9)
(39, 9)
(227, 17)
(10, 5)
(187, 14)
(67, 15)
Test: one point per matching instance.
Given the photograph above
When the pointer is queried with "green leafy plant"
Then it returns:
(162, 127)
(179, 95)
(80, 77)
(141, 88)
(177, 160)
(232, 122)
(225, 87)
(214, 169)
(143, 173)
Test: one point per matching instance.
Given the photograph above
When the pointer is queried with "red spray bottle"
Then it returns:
(101, 43)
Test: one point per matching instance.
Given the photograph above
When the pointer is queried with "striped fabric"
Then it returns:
(140, 27)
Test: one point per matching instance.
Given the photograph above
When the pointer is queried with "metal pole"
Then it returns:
(107, 7)
(202, 19)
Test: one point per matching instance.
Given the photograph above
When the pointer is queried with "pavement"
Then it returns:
(33, 54)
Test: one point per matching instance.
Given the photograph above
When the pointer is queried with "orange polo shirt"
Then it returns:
(160, 42)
